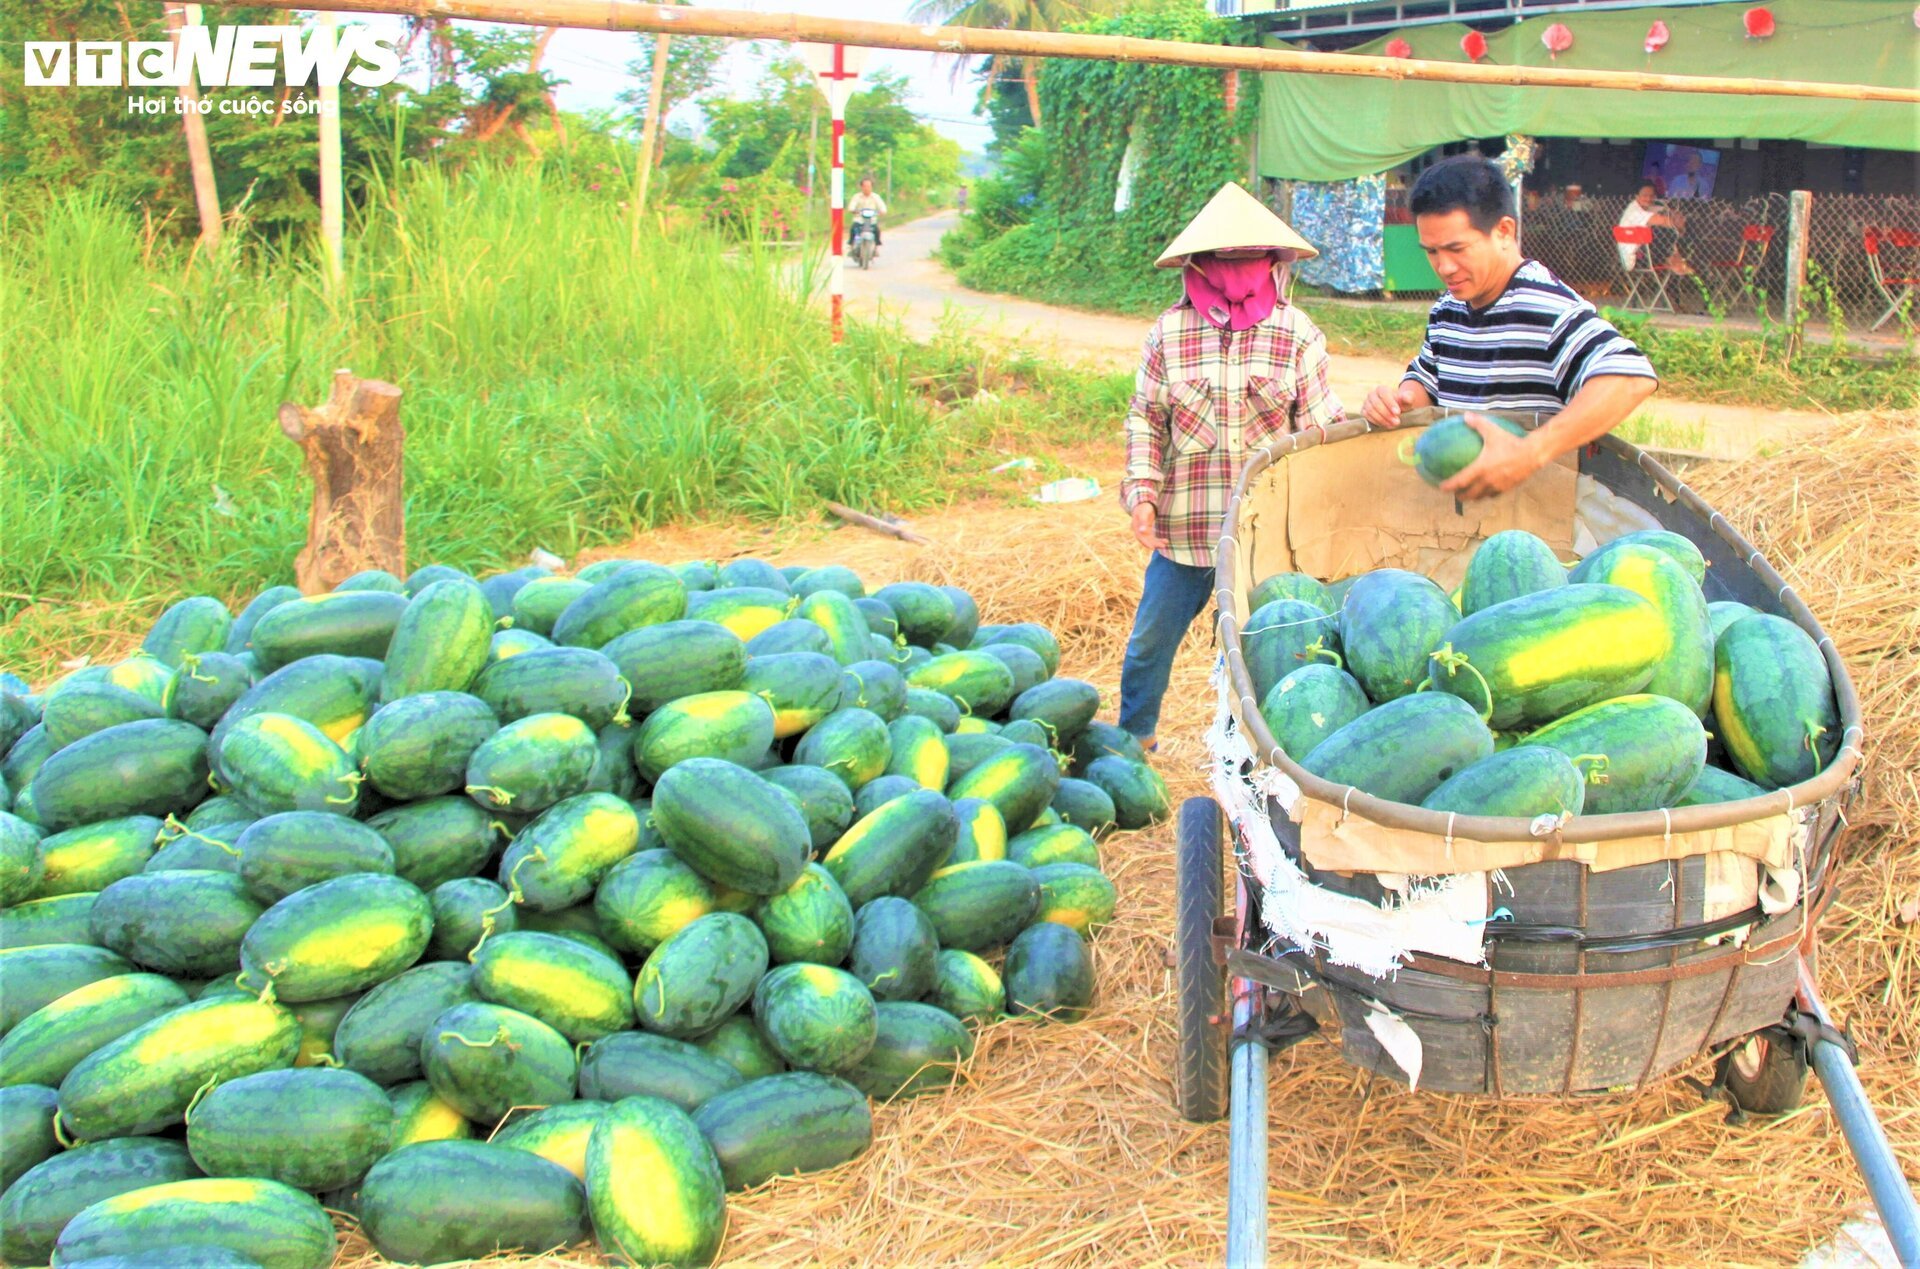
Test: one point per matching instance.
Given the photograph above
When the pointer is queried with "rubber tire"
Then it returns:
(1771, 1077)
(1201, 1086)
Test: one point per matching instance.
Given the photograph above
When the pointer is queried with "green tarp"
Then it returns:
(1330, 128)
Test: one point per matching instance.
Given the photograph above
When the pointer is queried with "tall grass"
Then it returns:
(561, 389)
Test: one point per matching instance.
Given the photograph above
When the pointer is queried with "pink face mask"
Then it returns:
(1232, 294)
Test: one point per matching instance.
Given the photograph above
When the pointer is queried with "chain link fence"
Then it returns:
(1728, 259)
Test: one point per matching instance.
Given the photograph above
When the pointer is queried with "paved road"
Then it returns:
(907, 284)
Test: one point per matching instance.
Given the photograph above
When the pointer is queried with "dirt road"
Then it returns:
(907, 284)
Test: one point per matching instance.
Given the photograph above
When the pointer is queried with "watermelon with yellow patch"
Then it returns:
(357, 623)
(1686, 671)
(785, 1125)
(801, 688)
(735, 727)
(818, 1018)
(276, 762)
(893, 850)
(745, 610)
(558, 1134)
(1074, 895)
(574, 989)
(982, 832)
(432, 1202)
(1773, 701)
(340, 936)
(419, 1115)
(919, 751)
(53, 1039)
(979, 905)
(647, 897)
(700, 975)
(1020, 782)
(94, 856)
(485, 1059)
(532, 763)
(336, 694)
(654, 1186)
(556, 861)
(977, 681)
(256, 1221)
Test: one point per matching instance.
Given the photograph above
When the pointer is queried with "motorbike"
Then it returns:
(864, 240)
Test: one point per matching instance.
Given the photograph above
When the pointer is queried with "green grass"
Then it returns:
(561, 391)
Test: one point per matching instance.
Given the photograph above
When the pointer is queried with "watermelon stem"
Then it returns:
(58, 1135)
(323, 1059)
(192, 663)
(1453, 662)
(505, 623)
(502, 1036)
(486, 918)
(497, 795)
(1319, 648)
(353, 780)
(620, 716)
(1406, 453)
(516, 894)
(501, 825)
(1814, 732)
(1599, 763)
(198, 1093)
(181, 830)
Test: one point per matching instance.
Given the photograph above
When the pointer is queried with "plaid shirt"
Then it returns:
(1203, 400)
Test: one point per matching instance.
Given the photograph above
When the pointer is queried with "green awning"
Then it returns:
(1330, 128)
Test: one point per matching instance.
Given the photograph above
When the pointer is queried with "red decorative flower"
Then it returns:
(1657, 36)
(1759, 23)
(1397, 47)
(1474, 45)
(1557, 38)
(1916, 15)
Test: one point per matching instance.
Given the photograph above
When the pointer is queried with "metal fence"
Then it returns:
(1721, 258)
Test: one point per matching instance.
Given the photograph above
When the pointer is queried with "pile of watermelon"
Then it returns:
(501, 913)
(1537, 690)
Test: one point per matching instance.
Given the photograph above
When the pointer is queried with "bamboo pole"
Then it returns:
(650, 126)
(630, 15)
(332, 197)
(206, 193)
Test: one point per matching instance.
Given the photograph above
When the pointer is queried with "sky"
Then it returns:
(594, 65)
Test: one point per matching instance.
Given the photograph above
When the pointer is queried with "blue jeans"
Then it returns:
(1171, 597)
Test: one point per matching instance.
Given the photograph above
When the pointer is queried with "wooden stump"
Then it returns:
(353, 445)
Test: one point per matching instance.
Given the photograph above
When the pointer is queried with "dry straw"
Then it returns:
(1063, 1146)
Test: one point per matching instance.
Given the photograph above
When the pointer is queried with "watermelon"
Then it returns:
(318, 1020)
(374, 579)
(1685, 672)
(1299, 586)
(420, 1115)
(28, 752)
(672, 659)
(696, 576)
(1063, 707)
(1283, 636)
(276, 762)
(810, 921)
(556, 861)
(979, 905)
(700, 974)
(1773, 703)
(466, 911)
(977, 681)
(209, 684)
(78, 708)
(1450, 446)
(731, 826)
(380, 1035)
(436, 1201)
(49, 1042)
(785, 1125)
(28, 1129)
(419, 746)
(576, 681)
(34, 976)
(484, 1059)
(982, 832)
(436, 840)
(818, 1018)
(734, 727)
(739, 1044)
(49, 1195)
(600, 570)
(94, 856)
(893, 850)
(791, 635)
(648, 896)
(745, 610)
(936, 707)
(1084, 805)
(343, 623)
(145, 1080)
(1139, 794)
(313, 1129)
(641, 1064)
(187, 923)
(845, 624)
(752, 572)
(825, 803)
(1652, 749)
(558, 1134)
(1020, 783)
(1025, 731)
(1309, 704)
(882, 622)
(65, 918)
(1711, 785)
(1677, 547)
(427, 574)
(154, 767)
(917, 1048)
(1506, 566)
(1390, 623)
(1547, 654)
(538, 602)
(1049, 971)
(830, 577)
(876, 686)
(925, 613)
(340, 936)
(335, 694)
(1527, 781)
(1026, 666)
(1403, 750)
(512, 642)
(533, 763)
(282, 853)
(967, 987)
(255, 1221)
(628, 599)
(654, 1186)
(577, 991)
(877, 793)
(1053, 844)
(894, 946)
(440, 642)
(1101, 740)
(1723, 613)
(240, 634)
(852, 743)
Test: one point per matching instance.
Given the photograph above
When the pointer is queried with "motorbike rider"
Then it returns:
(867, 200)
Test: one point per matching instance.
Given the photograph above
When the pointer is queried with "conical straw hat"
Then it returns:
(1234, 220)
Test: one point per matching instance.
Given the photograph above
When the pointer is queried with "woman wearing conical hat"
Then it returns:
(1225, 370)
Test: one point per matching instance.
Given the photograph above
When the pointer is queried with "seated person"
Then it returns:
(1642, 209)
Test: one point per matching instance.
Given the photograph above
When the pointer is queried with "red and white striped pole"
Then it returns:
(837, 69)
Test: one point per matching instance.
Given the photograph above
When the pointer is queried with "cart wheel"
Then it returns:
(1765, 1074)
(1202, 983)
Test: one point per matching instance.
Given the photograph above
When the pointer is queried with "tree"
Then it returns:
(693, 67)
(1012, 15)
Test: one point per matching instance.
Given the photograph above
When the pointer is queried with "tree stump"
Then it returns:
(353, 445)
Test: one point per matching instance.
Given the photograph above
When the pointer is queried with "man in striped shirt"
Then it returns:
(1508, 335)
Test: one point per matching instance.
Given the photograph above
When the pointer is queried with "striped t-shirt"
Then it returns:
(1531, 349)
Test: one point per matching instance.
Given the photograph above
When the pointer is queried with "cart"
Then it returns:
(1499, 957)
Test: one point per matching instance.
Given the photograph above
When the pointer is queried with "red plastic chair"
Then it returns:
(1728, 277)
(1644, 275)
(1902, 285)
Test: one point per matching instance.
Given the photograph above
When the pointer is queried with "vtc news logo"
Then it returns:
(221, 57)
